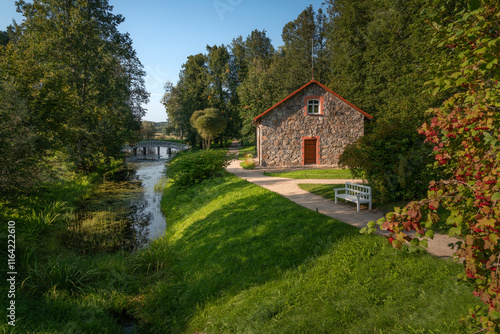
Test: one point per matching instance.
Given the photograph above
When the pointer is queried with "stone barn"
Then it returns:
(311, 126)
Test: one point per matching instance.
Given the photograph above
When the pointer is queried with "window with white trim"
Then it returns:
(313, 107)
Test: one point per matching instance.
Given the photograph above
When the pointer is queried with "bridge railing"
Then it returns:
(156, 143)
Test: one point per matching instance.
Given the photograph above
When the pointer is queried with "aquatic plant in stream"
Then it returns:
(108, 230)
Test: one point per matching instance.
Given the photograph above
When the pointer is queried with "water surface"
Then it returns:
(149, 169)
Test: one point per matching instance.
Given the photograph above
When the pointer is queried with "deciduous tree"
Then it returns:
(193, 92)
(465, 134)
(21, 160)
(80, 77)
(209, 123)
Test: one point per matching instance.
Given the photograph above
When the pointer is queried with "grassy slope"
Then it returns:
(244, 259)
(238, 258)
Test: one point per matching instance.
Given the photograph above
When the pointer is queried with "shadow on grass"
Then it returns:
(233, 237)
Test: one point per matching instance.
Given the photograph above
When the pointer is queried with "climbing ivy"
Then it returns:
(465, 134)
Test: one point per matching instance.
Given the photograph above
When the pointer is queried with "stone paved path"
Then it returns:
(345, 212)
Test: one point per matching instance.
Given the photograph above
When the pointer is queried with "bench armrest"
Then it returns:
(339, 189)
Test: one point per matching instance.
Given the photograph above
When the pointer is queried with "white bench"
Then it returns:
(356, 193)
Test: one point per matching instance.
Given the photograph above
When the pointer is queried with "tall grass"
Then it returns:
(160, 186)
(59, 290)
(39, 222)
(59, 273)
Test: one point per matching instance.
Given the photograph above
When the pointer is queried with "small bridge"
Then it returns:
(145, 144)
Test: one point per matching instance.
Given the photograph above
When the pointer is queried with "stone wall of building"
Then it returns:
(282, 130)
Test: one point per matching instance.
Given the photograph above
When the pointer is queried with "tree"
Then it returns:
(380, 60)
(259, 46)
(219, 85)
(80, 77)
(258, 93)
(4, 38)
(294, 60)
(256, 48)
(148, 130)
(171, 102)
(465, 134)
(218, 76)
(20, 165)
(209, 123)
(380, 54)
(393, 158)
(192, 92)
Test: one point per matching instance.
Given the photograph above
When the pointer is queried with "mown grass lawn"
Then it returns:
(245, 260)
(242, 151)
(315, 174)
(328, 191)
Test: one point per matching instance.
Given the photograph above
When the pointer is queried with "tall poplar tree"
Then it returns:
(192, 91)
(256, 89)
(172, 103)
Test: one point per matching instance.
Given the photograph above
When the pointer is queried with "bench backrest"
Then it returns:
(355, 189)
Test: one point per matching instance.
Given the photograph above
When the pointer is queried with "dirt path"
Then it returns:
(344, 212)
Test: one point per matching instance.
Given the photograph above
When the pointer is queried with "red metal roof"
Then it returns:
(256, 119)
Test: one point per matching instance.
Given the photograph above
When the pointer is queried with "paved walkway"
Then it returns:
(345, 212)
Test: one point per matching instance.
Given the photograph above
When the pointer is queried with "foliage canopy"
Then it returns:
(79, 77)
(465, 134)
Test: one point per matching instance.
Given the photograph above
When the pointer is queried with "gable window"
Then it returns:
(313, 107)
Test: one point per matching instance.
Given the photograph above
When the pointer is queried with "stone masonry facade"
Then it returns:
(282, 131)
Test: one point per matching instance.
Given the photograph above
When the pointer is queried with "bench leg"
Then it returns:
(335, 200)
(370, 205)
(358, 205)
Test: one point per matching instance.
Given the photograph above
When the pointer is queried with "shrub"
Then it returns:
(394, 160)
(465, 133)
(248, 163)
(188, 168)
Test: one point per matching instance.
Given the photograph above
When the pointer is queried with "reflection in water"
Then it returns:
(149, 169)
(123, 214)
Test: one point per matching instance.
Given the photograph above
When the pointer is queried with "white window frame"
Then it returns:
(314, 104)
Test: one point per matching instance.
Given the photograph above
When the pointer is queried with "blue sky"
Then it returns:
(166, 32)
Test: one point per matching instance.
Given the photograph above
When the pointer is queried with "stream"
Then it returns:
(149, 169)
(123, 214)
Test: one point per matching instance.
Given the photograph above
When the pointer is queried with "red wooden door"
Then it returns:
(309, 151)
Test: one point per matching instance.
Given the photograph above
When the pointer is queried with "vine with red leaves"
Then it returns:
(465, 133)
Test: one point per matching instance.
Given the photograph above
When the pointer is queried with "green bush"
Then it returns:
(394, 159)
(191, 167)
